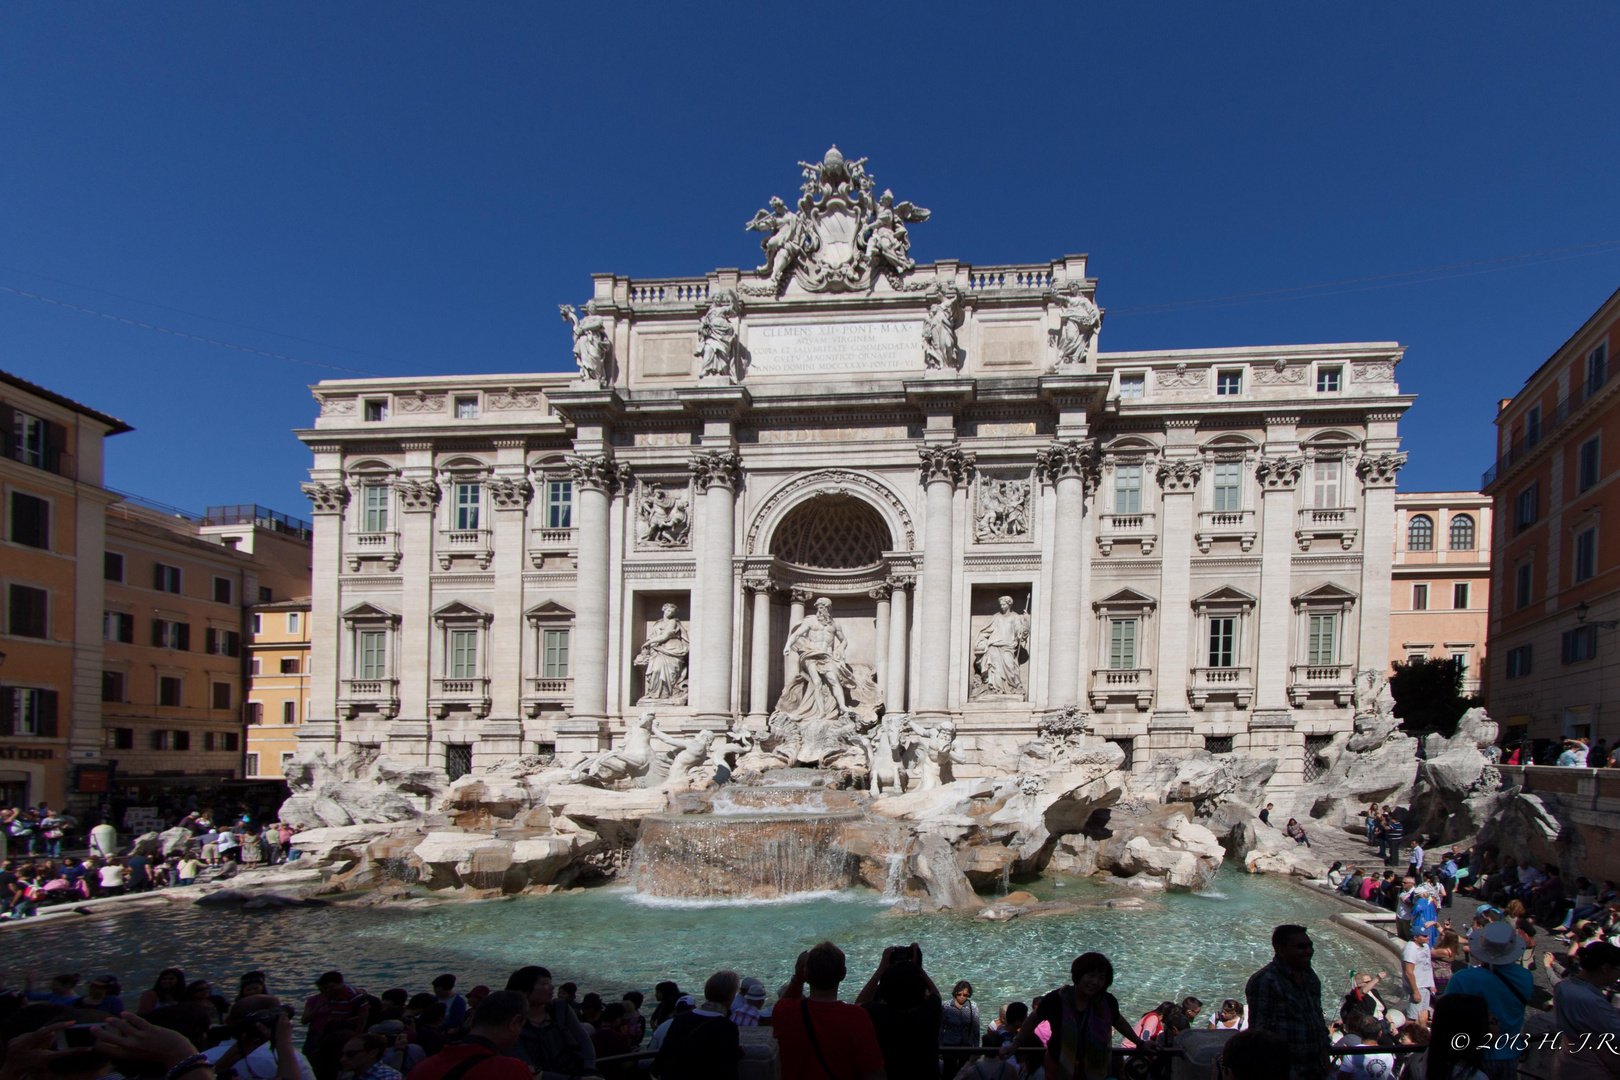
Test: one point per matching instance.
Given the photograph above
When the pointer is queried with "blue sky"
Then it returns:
(412, 189)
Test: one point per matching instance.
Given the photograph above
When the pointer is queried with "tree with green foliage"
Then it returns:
(1428, 695)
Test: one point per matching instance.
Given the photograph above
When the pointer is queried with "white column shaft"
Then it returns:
(589, 660)
(759, 667)
(934, 599)
(1063, 680)
(714, 666)
(899, 647)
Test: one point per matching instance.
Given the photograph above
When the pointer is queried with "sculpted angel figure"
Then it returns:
(1080, 320)
(818, 676)
(939, 329)
(664, 658)
(997, 648)
(886, 239)
(593, 351)
(717, 334)
(788, 236)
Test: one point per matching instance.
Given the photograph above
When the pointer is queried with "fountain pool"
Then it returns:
(612, 939)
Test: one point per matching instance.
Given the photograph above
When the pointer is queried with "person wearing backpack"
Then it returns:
(820, 1037)
(703, 1043)
(552, 1041)
(1506, 987)
(485, 1053)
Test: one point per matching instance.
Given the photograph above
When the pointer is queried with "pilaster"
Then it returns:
(944, 467)
(509, 494)
(1377, 474)
(1278, 476)
(1178, 481)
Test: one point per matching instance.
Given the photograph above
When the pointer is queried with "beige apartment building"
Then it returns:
(1440, 598)
(278, 686)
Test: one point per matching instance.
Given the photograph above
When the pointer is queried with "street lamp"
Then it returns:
(1582, 610)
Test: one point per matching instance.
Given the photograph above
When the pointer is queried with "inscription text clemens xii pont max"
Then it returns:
(814, 349)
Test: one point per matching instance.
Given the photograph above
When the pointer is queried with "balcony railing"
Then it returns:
(550, 546)
(449, 692)
(1134, 685)
(1337, 522)
(1307, 679)
(547, 691)
(374, 545)
(465, 543)
(1236, 683)
(1139, 528)
(1216, 525)
(381, 695)
(1533, 437)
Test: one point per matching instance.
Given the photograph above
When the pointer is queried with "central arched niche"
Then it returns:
(832, 532)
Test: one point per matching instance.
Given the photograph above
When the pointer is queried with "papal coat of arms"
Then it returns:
(841, 236)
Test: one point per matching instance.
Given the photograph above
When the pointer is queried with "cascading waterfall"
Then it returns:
(895, 874)
(737, 856)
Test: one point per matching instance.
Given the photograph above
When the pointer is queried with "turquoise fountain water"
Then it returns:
(613, 939)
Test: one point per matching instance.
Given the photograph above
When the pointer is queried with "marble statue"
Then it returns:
(885, 747)
(664, 658)
(789, 237)
(939, 329)
(997, 651)
(887, 241)
(1003, 511)
(1372, 695)
(593, 351)
(820, 676)
(1080, 319)
(933, 746)
(630, 761)
(663, 517)
(717, 335)
(690, 754)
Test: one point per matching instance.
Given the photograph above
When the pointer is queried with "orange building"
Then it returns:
(51, 520)
(278, 687)
(1440, 599)
(1555, 600)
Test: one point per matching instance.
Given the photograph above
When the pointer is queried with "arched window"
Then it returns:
(833, 532)
(1462, 533)
(1420, 533)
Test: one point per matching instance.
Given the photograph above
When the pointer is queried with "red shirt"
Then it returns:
(848, 1040)
(496, 1068)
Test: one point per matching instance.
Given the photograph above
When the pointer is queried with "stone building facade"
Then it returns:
(1192, 547)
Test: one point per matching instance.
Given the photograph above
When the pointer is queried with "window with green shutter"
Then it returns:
(1122, 643)
(1322, 646)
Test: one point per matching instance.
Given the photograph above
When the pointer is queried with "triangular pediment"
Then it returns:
(1325, 593)
(1226, 594)
(367, 610)
(460, 609)
(1125, 598)
(549, 610)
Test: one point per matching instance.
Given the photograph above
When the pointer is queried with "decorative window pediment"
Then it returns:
(368, 612)
(465, 466)
(1227, 596)
(1325, 595)
(459, 611)
(1126, 601)
(550, 611)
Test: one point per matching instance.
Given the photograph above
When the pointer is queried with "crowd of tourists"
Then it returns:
(899, 1024)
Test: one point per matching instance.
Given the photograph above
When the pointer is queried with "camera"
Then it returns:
(260, 1024)
(78, 1037)
(904, 952)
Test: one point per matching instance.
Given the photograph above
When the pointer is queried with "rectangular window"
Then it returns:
(250, 762)
(371, 654)
(374, 508)
(466, 408)
(1128, 489)
(26, 611)
(292, 621)
(554, 654)
(1325, 485)
(1416, 658)
(30, 521)
(222, 590)
(1222, 641)
(1322, 646)
(258, 625)
(165, 578)
(1122, 643)
(118, 626)
(30, 439)
(222, 695)
(289, 712)
(1461, 659)
(1229, 383)
(253, 666)
(1228, 487)
(1589, 460)
(463, 654)
(289, 665)
(1518, 662)
(1521, 584)
(1532, 426)
(169, 691)
(1527, 507)
(559, 504)
(1131, 387)
(286, 760)
(376, 410)
(222, 642)
(1597, 369)
(112, 686)
(1459, 595)
(1420, 597)
(112, 566)
(468, 498)
(28, 711)
(1586, 554)
(1327, 380)
(253, 712)
(1579, 644)
(457, 760)
(265, 595)
(171, 635)
(121, 738)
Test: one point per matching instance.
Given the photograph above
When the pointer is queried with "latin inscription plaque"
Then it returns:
(820, 348)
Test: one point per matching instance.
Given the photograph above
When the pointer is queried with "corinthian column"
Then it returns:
(759, 658)
(594, 477)
(943, 467)
(1179, 480)
(1068, 465)
(1278, 477)
(894, 694)
(1377, 472)
(716, 474)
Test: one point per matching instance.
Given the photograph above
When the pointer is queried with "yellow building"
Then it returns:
(1440, 597)
(51, 511)
(278, 690)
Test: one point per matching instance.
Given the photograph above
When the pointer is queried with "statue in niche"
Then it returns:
(632, 761)
(789, 238)
(998, 651)
(1003, 509)
(1079, 320)
(939, 329)
(933, 746)
(816, 689)
(664, 658)
(663, 517)
(717, 335)
(886, 240)
(593, 351)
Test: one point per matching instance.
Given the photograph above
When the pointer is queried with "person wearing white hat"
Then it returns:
(1504, 984)
(1417, 965)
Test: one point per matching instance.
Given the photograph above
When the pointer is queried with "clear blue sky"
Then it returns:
(411, 189)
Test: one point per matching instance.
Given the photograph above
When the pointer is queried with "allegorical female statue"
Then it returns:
(664, 658)
(998, 649)
(593, 352)
(1081, 319)
(717, 335)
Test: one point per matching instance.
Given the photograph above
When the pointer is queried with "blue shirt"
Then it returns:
(1425, 915)
(1505, 1007)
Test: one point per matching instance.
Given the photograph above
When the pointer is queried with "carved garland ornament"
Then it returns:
(1183, 378)
(512, 398)
(326, 498)
(836, 482)
(419, 402)
(1379, 471)
(945, 464)
(335, 406)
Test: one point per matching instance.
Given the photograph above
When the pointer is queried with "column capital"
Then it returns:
(1068, 459)
(597, 472)
(1279, 473)
(1179, 476)
(1378, 471)
(716, 468)
(417, 495)
(510, 492)
(326, 498)
(880, 592)
(759, 583)
(801, 595)
(948, 464)
(901, 582)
